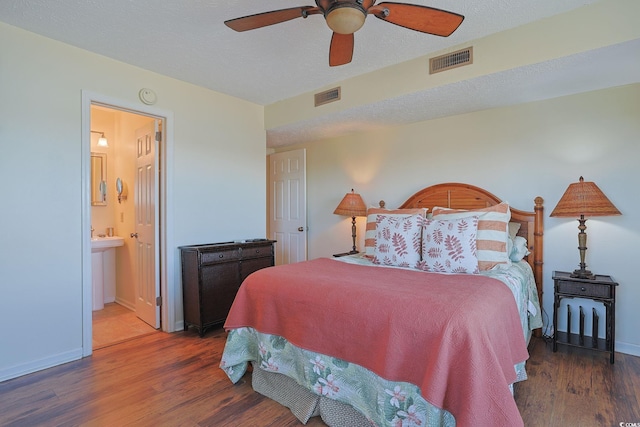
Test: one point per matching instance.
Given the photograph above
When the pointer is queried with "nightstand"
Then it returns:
(344, 254)
(601, 289)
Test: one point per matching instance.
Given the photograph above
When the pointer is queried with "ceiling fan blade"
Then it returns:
(341, 50)
(324, 4)
(419, 18)
(260, 20)
(366, 4)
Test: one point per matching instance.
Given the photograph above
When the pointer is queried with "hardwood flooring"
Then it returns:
(174, 380)
(578, 387)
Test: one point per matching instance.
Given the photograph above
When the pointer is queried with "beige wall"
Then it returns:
(517, 153)
(41, 84)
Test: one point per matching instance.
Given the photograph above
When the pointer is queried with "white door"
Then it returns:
(146, 203)
(288, 205)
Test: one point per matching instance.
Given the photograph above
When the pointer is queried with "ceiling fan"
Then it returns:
(345, 17)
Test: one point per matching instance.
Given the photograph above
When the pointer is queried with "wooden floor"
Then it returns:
(578, 387)
(174, 380)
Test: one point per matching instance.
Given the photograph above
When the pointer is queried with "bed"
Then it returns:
(374, 340)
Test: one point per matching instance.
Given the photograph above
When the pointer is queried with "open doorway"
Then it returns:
(124, 197)
(134, 199)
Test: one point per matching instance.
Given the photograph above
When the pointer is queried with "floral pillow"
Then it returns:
(370, 232)
(398, 240)
(449, 246)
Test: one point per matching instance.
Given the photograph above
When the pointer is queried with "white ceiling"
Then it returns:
(188, 41)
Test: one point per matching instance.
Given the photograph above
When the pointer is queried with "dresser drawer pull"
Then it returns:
(583, 289)
(222, 256)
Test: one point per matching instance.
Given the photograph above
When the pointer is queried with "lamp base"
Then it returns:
(583, 274)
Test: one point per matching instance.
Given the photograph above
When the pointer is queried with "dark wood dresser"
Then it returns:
(212, 274)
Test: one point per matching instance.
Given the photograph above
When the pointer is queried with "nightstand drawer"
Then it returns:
(584, 289)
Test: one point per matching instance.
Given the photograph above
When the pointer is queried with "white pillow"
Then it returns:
(514, 227)
(398, 240)
(449, 246)
(519, 249)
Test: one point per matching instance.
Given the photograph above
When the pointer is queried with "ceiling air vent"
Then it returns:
(327, 96)
(451, 60)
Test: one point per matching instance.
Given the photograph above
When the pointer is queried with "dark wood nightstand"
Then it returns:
(602, 289)
(345, 254)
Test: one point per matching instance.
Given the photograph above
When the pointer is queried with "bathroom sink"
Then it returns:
(101, 244)
(103, 269)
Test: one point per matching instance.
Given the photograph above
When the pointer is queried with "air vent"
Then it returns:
(451, 60)
(327, 96)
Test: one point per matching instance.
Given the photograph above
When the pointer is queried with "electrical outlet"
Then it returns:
(121, 216)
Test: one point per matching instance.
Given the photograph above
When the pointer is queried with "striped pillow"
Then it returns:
(493, 232)
(370, 233)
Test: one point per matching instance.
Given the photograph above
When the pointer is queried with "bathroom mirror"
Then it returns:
(119, 186)
(98, 179)
(121, 190)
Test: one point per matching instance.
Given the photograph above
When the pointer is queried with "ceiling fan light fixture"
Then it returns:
(345, 18)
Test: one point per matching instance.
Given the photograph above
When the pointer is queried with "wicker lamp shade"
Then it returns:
(352, 205)
(583, 199)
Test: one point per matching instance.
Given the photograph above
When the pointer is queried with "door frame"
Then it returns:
(167, 262)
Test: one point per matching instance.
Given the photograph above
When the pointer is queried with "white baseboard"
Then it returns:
(626, 348)
(126, 304)
(39, 365)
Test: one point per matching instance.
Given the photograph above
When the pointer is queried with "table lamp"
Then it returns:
(352, 205)
(583, 199)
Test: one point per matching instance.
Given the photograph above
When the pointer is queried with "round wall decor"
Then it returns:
(147, 96)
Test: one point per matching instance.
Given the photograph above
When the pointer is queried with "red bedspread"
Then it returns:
(457, 337)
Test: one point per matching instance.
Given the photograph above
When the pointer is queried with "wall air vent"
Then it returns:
(327, 96)
(451, 60)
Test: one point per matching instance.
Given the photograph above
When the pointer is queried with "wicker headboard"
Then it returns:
(465, 196)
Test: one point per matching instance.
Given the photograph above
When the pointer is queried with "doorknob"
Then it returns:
(300, 228)
(134, 235)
